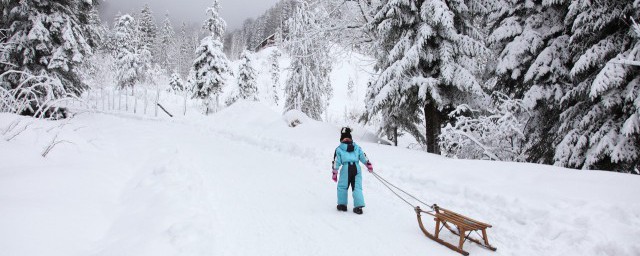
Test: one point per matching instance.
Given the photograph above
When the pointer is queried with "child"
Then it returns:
(347, 156)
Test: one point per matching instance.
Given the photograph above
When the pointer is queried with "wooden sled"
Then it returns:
(464, 227)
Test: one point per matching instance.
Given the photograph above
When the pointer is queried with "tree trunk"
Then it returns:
(395, 136)
(432, 122)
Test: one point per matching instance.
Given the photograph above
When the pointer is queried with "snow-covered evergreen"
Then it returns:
(274, 59)
(308, 86)
(147, 28)
(247, 88)
(166, 44)
(129, 58)
(426, 64)
(211, 66)
(601, 125)
(46, 39)
(176, 82)
(532, 64)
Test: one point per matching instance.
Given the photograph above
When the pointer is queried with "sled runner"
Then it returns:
(462, 226)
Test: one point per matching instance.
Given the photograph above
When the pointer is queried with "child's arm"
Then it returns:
(337, 161)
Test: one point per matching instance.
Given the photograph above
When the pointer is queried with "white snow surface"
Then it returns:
(241, 182)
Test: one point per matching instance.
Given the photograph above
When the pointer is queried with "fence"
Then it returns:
(139, 101)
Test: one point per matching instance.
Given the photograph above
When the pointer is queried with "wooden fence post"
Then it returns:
(146, 101)
(119, 100)
(157, 100)
(185, 102)
(135, 102)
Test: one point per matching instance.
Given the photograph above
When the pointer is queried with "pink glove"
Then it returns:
(369, 167)
(335, 175)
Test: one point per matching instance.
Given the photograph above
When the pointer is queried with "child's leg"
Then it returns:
(343, 185)
(358, 198)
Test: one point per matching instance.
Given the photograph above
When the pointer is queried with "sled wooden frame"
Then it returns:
(462, 225)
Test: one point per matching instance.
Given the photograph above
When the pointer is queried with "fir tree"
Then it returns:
(308, 88)
(211, 65)
(184, 51)
(129, 62)
(176, 82)
(247, 88)
(147, 28)
(166, 44)
(48, 39)
(532, 63)
(600, 123)
(426, 64)
(275, 75)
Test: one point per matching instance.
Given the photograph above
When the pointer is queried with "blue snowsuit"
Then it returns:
(347, 156)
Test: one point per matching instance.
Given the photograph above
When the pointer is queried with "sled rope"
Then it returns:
(388, 184)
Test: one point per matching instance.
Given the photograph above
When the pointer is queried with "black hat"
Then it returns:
(345, 133)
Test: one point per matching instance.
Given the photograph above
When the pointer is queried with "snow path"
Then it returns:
(252, 186)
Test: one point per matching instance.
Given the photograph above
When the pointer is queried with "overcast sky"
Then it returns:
(234, 12)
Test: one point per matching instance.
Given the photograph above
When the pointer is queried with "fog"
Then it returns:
(234, 12)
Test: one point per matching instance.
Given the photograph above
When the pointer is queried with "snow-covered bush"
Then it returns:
(176, 83)
(37, 96)
(295, 117)
(495, 133)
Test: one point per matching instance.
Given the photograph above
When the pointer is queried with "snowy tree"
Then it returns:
(166, 43)
(147, 28)
(129, 60)
(247, 88)
(43, 44)
(274, 58)
(184, 52)
(532, 63)
(600, 123)
(427, 65)
(211, 65)
(496, 133)
(176, 82)
(308, 88)
(350, 89)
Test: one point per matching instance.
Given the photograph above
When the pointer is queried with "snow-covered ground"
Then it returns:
(241, 182)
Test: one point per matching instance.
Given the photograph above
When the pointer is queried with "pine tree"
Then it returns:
(48, 39)
(533, 63)
(166, 44)
(600, 122)
(129, 61)
(247, 88)
(427, 65)
(211, 65)
(147, 28)
(308, 87)
(184, 51)
(176, 82)
(275, 75)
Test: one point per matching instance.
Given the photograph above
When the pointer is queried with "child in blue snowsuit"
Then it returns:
(346, 159)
